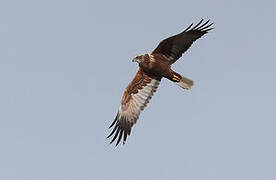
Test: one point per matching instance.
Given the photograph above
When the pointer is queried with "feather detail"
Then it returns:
(173, 47)
(185, 83)
(135, 98)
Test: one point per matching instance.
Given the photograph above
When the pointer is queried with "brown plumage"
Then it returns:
(152, 68)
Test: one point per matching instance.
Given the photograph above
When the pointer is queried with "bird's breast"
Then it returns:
(155, 67)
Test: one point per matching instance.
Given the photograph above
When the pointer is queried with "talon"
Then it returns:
(176, 78)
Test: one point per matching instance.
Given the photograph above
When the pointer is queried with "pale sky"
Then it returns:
(64, 66)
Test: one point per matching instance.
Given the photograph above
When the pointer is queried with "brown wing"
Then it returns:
(135, 98)
(173, 47)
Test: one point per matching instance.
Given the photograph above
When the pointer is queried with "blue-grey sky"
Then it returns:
(64, 66)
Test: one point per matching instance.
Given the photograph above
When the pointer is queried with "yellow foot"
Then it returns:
(176, 78)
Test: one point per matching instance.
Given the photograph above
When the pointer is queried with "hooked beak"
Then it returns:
(134, 60)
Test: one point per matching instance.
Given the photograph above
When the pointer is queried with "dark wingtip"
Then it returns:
(116, 118)
(115, 136)
(203, 25)
(112, 132)
(200, 26)
(207, 30)
(197, 24)
(121, 129)
(188, 27)
(125, 137)
(206, 27)
(119, 138)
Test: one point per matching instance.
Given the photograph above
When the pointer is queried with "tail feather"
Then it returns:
(185, 83)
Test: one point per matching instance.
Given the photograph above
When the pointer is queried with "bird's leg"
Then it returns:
(171, 75)
(181, 81)
(176, 78)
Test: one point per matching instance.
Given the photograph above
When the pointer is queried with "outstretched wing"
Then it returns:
(173, 47)
(135, 98)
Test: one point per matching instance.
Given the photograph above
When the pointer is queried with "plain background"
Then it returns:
(64, 66)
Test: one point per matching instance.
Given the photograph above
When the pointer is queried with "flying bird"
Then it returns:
(152, 68)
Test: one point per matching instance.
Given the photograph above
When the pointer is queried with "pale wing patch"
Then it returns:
(144, 95)
(138, 101)
(129, 113)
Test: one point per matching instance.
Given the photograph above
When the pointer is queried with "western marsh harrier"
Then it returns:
(152, 68)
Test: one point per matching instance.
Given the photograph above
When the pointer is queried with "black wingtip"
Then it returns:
(197, 24)
(200, 26)
(115, 120)
(115, 136)
(112, 132)
(188, 27)
(119, 138)
(125, 137)
(121, 129)
(207, 30)
(203, 28)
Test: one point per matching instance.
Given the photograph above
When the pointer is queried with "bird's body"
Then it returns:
(154, 64)
(158, 66)
(152, 68)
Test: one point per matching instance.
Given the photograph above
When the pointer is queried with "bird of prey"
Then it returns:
(152, 68)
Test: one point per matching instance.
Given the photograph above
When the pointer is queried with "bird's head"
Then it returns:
(138, 59)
